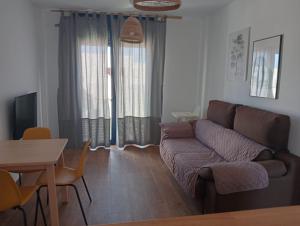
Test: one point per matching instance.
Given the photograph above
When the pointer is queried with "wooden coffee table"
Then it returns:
(35, 155)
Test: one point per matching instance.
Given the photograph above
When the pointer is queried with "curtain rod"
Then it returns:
(136, 14)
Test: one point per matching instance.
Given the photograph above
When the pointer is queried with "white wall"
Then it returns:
(19, 67)
(48, 45)
(183, 73)
(266, 18)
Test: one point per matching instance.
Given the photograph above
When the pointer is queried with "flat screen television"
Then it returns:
(25, 114)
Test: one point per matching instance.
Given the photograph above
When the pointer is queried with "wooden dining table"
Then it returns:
(29, 155)
(282, 216)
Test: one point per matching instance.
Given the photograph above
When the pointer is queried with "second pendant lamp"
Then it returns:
(132, 31)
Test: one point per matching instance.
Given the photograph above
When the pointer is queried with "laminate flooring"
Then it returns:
(129, 185)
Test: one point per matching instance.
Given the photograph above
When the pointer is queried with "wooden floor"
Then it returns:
(128, 185)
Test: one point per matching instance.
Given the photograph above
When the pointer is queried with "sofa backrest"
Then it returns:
(229, 144)
(264, 127)
(221, 113)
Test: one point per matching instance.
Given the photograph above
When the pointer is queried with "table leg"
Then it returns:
(52, 196)
(65, 189)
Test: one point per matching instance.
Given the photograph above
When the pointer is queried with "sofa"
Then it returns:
(183, 144)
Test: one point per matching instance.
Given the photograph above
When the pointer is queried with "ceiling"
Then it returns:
(189, 7)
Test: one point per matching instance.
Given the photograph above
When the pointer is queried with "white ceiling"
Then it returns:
(189, 7)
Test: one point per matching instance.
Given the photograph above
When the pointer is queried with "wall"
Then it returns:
(183, 73)
(266, 18)
(48, 45)
(19, 68)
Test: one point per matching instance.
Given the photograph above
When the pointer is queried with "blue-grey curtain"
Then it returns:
(83, 93)
(86, 85)
(138, 79)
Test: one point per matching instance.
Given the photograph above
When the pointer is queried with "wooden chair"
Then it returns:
(14, 197)
(66, 176)
(38, 133)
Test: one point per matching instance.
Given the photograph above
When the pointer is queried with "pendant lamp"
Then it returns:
(132, 31)
(156, 5)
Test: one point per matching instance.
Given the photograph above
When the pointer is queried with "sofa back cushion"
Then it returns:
(229, 144)
(266, 128)
(221, 113)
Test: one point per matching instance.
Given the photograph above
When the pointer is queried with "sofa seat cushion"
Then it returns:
(189, 166)
(171, 147)
(275, 168)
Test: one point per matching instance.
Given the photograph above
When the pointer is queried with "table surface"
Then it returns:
(30, 152)
(284, 216)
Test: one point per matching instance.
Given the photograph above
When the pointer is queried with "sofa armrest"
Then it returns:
(283, 190)
(206, 174)
(177, 130)
(291, 161)
(275, 168)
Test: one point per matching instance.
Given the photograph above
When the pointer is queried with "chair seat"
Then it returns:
(26, 193)
(63, 176)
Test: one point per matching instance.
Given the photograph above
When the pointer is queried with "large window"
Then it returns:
(94, 75)
(133, 77)
(136, 94)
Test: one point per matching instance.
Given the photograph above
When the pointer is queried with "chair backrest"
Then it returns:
(83, 157)
(37, 134)
(10, 195)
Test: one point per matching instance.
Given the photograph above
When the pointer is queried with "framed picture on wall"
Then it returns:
(266, 62)
(238, 52)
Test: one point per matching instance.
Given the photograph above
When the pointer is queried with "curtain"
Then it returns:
(138, 71)
(84, 79)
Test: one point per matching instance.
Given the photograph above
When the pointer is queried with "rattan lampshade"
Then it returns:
(156, 5)
(132, 31)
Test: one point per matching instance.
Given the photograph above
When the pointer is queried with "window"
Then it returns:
(94, 75)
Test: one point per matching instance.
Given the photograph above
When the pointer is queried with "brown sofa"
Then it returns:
(265, 128)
